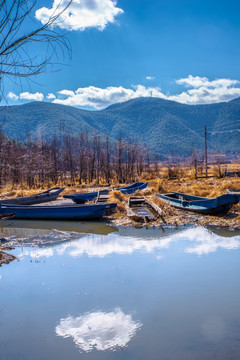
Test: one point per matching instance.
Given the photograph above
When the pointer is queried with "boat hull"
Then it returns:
(82, 198)
(70, 212)
(127, 191)
(235, 192)
(219, 205)
(46, 196)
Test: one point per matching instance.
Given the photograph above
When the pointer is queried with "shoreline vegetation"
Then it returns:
(181, 180)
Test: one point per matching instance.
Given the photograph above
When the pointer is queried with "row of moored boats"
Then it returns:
(29, 207)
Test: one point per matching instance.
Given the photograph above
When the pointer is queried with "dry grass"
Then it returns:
(120, 199)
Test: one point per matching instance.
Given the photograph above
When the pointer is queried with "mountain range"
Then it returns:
(165, 126)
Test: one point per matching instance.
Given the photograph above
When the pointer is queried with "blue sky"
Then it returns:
(181, 50)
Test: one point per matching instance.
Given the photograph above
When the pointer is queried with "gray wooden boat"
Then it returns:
(45, 196)
(139, 209)
(218, 205)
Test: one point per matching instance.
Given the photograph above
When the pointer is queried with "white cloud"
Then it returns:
(99, 330)
(100, 98)
(51, 96)
(69, 93)
(150, 77)
(13, 96)
(198, 82)
(204, 91)
(27, 96)
(205, 95)
(200, 91)
(82, 14)
(31, 96)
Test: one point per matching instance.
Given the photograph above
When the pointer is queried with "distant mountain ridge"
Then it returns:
(165, 126)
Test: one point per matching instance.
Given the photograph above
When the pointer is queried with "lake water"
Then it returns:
(90, 291)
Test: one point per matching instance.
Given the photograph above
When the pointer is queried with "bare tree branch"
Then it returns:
(17, 58)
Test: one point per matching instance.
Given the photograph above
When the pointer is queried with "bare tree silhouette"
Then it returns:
(16, 56)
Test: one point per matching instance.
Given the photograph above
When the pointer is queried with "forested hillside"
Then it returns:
(165, 126)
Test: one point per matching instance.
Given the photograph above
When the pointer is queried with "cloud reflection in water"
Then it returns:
(99, 330)
(72, 244)
(206, 242)
(100, 247)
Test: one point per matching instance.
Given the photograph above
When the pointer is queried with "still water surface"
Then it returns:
(90, 291)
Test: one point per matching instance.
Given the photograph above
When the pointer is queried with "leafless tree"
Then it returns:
(107, 167)
(16, 40)
(119, 159)
(81, 159)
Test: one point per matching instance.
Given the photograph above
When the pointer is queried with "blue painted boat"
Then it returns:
(218, 205)
(81, 198)
(232, 173)
(129, 186)
(132, 190)
(233, 191)
(45, 196)
(59, 212)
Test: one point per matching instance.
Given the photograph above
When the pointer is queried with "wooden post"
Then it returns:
(206, 162)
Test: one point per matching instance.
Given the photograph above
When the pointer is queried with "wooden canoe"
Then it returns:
(218, 205)
(45, 196)
(139, 209)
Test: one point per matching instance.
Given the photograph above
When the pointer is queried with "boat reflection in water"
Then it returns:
(88, 227)
(99, 330)
(25, 227)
